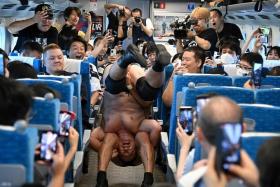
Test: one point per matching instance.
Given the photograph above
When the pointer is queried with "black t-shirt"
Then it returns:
(211, 36)
(230, 29)
(113, 22)
(65, 36)
(33, 33)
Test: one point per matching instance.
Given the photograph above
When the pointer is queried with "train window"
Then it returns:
(24, 7)
(8, 6)
(240, 17)
(264, 16)
(231, 17)
(277, 15)
(250, 17)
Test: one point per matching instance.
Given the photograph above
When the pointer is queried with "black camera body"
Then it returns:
(181, 27)
(137, 19)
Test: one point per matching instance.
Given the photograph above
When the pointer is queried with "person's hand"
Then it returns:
(180, 69)
(57, 166)
(256, 33)
(112, 59)
(209, 61)
(87, 16)
(40, 16)
(211, 178)
(246, 170)
(184, 139)
(73, 138)
(249, 85)
(191, 35)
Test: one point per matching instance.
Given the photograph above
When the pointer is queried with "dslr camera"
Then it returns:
(182, 26)
(137, 19)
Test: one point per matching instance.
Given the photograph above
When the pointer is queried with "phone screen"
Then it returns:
(2, 65)
(48, 145)
(257, 74)
(263, 39)
(65, 121)
(186, 119)
(229, 145)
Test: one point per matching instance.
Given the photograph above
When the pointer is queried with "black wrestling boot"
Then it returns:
(148, 180)
(101, 179)
(132, 55)
(163, 59)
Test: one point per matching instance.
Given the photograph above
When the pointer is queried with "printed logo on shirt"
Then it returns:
(42, 41)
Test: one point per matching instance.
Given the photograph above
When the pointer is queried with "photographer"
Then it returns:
(38, 28)
(140, 28)
(202, 36)
(117, 21)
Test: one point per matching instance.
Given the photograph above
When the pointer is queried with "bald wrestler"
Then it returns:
(128, 95)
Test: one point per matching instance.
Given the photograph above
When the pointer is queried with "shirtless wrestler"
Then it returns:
(126, 128)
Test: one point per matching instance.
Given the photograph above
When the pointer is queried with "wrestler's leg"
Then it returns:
(132, 55)
(147, 156)
(153, 128)
(96, 138)
(104, 156)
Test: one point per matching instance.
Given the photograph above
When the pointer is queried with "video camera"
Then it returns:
(181, 27)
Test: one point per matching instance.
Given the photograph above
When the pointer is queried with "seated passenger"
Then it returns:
(38, 28)
(218, 111)
(150, 50)
(31, 49)
(246, 64)
(20, 70)
(128, 94)
(192, 62)
(273, 53)
(275, 71)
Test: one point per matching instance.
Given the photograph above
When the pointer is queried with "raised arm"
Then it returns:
(17, 26)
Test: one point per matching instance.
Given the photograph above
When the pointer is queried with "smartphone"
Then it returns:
(228, 145)
(263, 39)
(2, 65)
(65, 121)
(208, 55)
(186, 119)
(48, 145)
(113, 52)
(257, 74)
(265, 30)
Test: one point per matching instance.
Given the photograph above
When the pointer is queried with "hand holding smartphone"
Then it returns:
(186, 119)
(65, 120)
(48, 145)
(228, 146)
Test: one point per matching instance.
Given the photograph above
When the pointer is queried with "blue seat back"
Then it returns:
(181, 81)
(45, 112)
(266, 117)
(268, 96)
(66, 89)
(269, 80)
(85, 73)
(251, 142)
(239, 95)
(36, 63)
(19, 148)
(76, 80)
(240, 81)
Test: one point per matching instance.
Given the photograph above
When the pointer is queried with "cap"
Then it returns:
(46, 8)
(201, 13)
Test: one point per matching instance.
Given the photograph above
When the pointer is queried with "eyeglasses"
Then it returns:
(244, 67)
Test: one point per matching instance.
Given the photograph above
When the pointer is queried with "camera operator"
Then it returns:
(202, 36)
(140, 28)
(38, 28)
(117, 21)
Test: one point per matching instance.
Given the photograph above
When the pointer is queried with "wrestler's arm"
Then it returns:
(96, 138)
